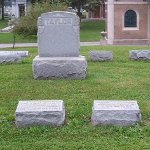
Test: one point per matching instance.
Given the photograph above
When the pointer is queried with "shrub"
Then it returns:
(27, 25)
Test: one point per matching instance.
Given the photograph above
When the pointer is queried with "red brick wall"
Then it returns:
(119, 10)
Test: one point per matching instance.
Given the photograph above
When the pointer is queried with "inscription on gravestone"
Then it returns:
(39, 106)
(19, 53)
(113, 105)
(58, 21)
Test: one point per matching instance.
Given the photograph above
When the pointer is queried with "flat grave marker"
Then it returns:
(40, 112)
(122, 113)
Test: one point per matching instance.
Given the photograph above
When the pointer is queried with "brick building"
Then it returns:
(128, 22)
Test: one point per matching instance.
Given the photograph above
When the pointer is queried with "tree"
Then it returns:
(24, 27)
(2, 4)
(86, 4)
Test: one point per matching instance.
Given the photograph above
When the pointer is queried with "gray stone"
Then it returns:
(100, 55)
(139, 54)
(40, 112)
(58, 35)
(59, 67)
(59, 47)
(9, 58)
(118, 113)
(22, 54)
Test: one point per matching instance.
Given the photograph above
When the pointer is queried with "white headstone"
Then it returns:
(122, 113)
(40, 112)
(58, 35)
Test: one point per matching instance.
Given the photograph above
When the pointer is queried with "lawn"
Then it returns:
(3, 23)
(90, 31)
(120, 79)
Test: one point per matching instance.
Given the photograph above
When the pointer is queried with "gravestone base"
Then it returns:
(59, 67)
(40, 112)
(117, 113)
(9, 58)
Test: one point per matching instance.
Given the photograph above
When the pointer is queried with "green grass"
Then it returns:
(120, 79)
(3, 23)
(90, 31)
(9, 38)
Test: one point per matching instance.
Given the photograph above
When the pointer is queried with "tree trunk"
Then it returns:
(3, 10)
(79, 13)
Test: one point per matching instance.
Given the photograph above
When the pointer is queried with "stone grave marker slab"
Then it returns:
(139, 54)
(119, 113)
(58, 35)
(100, 55)
(40, 112)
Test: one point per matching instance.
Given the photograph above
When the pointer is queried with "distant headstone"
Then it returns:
(118, 113)
(59, 47)
(139, 54)
(40, 112)
(100, 55)
(22, 54)
(9, 58)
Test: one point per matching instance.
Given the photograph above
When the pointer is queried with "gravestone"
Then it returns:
(59, 47)
(40, 112)
(118, 113)
(139, 54)
(22, 54)
(100, 55)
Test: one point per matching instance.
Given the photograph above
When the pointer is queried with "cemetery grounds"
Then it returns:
(120, 79)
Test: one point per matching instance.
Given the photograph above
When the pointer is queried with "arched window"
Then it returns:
(130, 19)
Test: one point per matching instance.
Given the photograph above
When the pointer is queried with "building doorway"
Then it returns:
(21, 10)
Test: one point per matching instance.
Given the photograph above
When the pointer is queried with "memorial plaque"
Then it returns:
(115, 105)
(20, 53)
(40, 112)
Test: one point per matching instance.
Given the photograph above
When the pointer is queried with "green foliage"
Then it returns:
(27, 25)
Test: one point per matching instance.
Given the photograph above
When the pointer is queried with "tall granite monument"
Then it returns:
(59, 47)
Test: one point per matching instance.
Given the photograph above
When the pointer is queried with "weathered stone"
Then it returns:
(22, 54)
(7, 58)
(58, 35)
(100, 55)
(59, 67)
(118, 113)
(139, 54)
(59, 47)
(41, 112)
